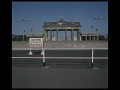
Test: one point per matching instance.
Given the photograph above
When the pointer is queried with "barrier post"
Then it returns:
(92, 57)
(30, 53)
(43, 53)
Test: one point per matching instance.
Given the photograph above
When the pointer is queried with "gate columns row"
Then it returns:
(57, 35)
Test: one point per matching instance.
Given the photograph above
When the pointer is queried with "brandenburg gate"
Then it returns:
(61, 25)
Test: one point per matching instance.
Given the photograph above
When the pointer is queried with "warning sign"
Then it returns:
(36, 42)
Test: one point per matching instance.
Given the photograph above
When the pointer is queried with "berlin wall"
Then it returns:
(68, 44)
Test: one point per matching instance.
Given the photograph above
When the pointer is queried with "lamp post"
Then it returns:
(96, 18)
(61, 17)
(23, 20)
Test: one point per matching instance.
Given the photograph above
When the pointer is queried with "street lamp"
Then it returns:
(61, 17)
(96, 18)
(22, 20)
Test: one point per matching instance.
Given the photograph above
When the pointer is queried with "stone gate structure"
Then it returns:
(61, 25)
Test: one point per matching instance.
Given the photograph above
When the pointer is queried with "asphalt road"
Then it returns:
(60, 56)
(60, 53)
(71, 72)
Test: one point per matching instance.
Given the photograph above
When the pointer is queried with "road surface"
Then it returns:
(64, 69)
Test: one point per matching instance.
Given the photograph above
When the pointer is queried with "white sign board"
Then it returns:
(36, 42)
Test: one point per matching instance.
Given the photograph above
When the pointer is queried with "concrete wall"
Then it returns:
(82, 44)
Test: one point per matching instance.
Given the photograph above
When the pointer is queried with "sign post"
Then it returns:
(37, 42)
(43, 53)
(30, 53)
(92, 57)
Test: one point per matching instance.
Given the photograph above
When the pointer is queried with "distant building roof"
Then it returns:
(89, 33)
(61, 23)
(35, 35)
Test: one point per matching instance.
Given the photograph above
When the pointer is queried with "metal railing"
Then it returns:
(67, 58)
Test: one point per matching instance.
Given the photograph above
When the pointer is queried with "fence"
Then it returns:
(92, 57)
